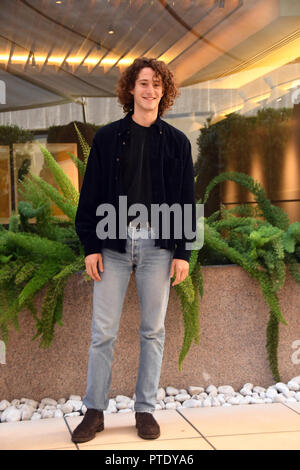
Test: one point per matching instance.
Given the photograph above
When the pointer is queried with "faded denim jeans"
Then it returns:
(152, 266)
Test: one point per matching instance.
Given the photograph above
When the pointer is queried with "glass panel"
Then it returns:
(5, 185)
(29, 157)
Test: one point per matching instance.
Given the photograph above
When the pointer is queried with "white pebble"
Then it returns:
(248, 386)
(195, 397)
(182, 397)
(226, 389)
(76, 404)
(122, 398)
(131, 404)
(161, 393)
(192, 390)
(122, 405)
(247, 399)
(48, 401)
(171, 405)
(281, 387)
(15, 403)
(245, 391)
(206, 402)
(296, 379)
(169, 399)
(47, 414)
(4, 404)
(258, 389)
(58, 413)
(268, 400)
(234, 401)
(75, 398)
(126, 410)
(32, 403)
(291, 400)
(35, 416)
(271, 393)
(67, 408)
(49, 407)
(256, 401)
(11, 414)
(293, 385)
(211, 388)
(215, 401)
(280, 398)
(220, 399)
(26, 412)
(190, 403)
(172, 391)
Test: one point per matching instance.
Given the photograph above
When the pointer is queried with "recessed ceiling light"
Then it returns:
(111, 30)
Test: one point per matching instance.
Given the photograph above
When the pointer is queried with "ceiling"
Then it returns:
(55, 52)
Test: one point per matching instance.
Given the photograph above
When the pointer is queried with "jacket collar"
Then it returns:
(125, 123)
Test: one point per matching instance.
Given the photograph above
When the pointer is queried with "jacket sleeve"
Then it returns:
(187, 197)
(89, 199)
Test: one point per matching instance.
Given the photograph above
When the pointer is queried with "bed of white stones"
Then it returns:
(169, 398)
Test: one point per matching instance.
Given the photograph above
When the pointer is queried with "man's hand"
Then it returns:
(91, 264)
(182, 270)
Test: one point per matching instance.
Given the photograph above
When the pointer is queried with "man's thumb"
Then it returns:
(172, 270)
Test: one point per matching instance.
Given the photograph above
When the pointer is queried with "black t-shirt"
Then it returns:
(136, 171)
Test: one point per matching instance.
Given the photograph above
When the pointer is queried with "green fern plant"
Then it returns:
(39, 255)
(263, 243)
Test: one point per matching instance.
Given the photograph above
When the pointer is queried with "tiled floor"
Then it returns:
(271, 426)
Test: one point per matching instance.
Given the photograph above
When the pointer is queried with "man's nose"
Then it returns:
(150, 88)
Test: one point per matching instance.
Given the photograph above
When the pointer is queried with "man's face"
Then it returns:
(148, 90)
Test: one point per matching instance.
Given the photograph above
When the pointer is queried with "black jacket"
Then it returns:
(172, 176)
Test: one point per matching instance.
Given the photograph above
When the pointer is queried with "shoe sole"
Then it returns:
(148, 436)
(86, 439)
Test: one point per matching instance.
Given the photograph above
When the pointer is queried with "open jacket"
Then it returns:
(172, 177)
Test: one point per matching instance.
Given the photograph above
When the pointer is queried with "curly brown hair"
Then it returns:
(127, 80)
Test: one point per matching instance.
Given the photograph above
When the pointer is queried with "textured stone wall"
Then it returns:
(233, 320)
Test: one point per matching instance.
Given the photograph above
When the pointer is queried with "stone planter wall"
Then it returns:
(233, 319)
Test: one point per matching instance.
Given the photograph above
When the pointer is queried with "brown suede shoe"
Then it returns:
(147, 427)
(92, 422)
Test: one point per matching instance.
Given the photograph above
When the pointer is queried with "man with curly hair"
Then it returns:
(148, 161)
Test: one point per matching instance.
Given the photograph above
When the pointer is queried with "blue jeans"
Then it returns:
(152, 266)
